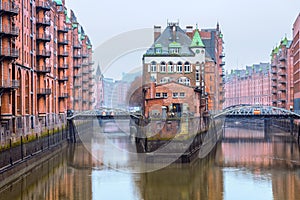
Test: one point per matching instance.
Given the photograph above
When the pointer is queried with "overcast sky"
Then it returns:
(251, 28)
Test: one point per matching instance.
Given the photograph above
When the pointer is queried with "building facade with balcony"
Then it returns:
(282, 75)
(36, 56)
(296, 63)
(174, 68)
(249, 86)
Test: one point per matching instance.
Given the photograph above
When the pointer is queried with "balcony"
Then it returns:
(77, 66)
(282, 66)
(91, 92)
(85, 55)
(43, 37)
(63, 53)
(63, 78)
(63, 42)
(85, 89)
(9, 8)
(43, 91)
(92, 62)
(85, 64)
(78, 98)
(43, 22)
(282, 74)
(76, 46)
(41, 5)
(282, 57)
(77, 56)
(222, 55)
(9, 84)
(85, 80)
(274, 71)
(274, 78)
(273, 64)
(11, 53)
(222, 63)
(85, 72)
(43, 69)
(77, 84)
(64, 66)
(274, 91)
(282, 89)
(77, 76)
(43, 53)
(62, 29)
(92, 70)
(63, 95)
(9, 31)
(274, 85)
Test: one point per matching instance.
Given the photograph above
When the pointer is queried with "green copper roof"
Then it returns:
(174, 45)
(58, 2)
(260, 69)
(158, 46)
(221, 35)
(82, 37)
(74, 26)
(284, 41)
(276, 50)
(89, 46)
(197, 41)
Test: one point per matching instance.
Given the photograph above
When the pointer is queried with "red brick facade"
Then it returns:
(39, 42)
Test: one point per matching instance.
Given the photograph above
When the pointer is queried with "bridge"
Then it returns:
(237, 111)
(258, 111)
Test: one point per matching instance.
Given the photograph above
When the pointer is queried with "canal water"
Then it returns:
(247, 164)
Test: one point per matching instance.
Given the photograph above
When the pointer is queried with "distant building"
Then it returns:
(282, 75)
(296, 63)
(248, 86)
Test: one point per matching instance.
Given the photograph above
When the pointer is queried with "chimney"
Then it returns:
(189, 31)
(152, 90)
(157, 32)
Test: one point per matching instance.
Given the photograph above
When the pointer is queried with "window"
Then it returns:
(157, 50)
(179, 67)
(197, 75)
(153, 66)
(170, 67)
(184, 80)
(157, 95)
(165, 95)
(187, 67)
(163, 67)
(174, 50)
(175, 94)
(187, 81)
(165, 80)
(181, 94)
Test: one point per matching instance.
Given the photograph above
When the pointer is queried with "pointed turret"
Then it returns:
(98, 72)
(197, 41)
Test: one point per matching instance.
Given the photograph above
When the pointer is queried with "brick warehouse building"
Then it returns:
(282, 75)
(296, 63)
(182, 57)
(46, 65)
(249, 86)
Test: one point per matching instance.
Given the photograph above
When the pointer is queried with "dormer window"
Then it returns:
(174, 48)
(158, 48)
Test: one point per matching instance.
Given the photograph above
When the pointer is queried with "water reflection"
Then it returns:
(248, 164)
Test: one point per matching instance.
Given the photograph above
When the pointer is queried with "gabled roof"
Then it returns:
(172, 37)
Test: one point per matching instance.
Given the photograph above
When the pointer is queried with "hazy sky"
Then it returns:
(251, 28)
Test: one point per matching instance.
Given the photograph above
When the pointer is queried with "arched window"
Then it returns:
(153, 66)
(179, 67)
(170, 67)
(187, 67)
(162, 67)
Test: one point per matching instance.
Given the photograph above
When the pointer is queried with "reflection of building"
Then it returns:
(296, 63)
(180, 57)
(248, 86)
(46, 60)
(282, 75)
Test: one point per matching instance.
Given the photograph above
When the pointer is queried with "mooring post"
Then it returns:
(291, 126)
